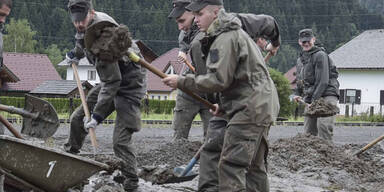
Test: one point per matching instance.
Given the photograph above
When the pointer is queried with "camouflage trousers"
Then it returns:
(234, 158)
(321, 126)
(210, 155)
(127, 122)
(185, 111)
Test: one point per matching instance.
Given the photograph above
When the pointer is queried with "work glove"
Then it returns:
(70, 57)
(89, 123)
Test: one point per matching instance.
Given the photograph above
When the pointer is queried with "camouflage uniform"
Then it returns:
(248, 97)
(256, 26)
(123, 85)
(187, 107)
(317, 77)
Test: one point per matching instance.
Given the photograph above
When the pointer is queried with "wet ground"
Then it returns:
(297, 163)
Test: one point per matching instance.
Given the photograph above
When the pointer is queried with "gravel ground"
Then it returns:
(297, 163)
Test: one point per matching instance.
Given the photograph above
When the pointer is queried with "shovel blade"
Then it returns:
(47, 122)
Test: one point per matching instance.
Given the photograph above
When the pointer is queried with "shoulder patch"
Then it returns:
(214, 55)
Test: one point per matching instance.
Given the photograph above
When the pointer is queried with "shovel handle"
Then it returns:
(189, 65)
(162, 75)
(192, 163)
(92, 133)
(370, 145)
(267, 57)
(10, 127)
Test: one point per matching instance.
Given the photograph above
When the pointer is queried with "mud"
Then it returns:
(298, 163)
(321, 108)
(333, 166)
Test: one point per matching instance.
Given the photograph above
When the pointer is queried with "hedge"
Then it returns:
(62, 105)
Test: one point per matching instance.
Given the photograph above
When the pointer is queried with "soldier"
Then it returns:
(235, 69)
(316, 78)
(186, 107)
(123, 85)
(260, 28)
(5, 9)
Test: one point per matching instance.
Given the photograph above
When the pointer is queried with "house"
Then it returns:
(25, 71)
(60, 89)
(361, 66)
(169, 65)
(87, 72)
(360, 63)
(7, 76)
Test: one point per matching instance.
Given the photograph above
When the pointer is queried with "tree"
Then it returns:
(284, 91)
(55, 55)
(19, 37)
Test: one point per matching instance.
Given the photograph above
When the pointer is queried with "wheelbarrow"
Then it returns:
(40, 119)
(44, 169)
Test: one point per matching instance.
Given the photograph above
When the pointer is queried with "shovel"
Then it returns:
(370, 145)
(92, 133)
(39, 117)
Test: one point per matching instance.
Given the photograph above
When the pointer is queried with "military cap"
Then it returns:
(79, 9)
(305, 35)
(178, 8)
(197, 5)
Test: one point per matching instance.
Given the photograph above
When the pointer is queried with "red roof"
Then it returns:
(290, 75)
(32, 70)
(154, 82)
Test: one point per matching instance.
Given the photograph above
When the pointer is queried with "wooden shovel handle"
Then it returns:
(368, 146)
(92, 133)
(162, 75)
(267, 57)
(189, 65)
(10, 128)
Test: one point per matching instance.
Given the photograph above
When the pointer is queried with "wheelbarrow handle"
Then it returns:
(92, 133)
(10, 128)
(22, 112)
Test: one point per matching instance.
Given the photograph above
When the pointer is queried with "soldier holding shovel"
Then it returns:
(235, 69)
(123, 85)
(186, 107)
(316, 78)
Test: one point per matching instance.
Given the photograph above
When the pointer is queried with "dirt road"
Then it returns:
(296, 162)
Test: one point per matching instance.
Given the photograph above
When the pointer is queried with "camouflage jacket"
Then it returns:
(316, 75)
(236, 69)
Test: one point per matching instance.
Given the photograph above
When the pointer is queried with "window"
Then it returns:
(349, 96)
(159, 97)
(165, 97)
(170, 71)
(92, 75)
(153, 97)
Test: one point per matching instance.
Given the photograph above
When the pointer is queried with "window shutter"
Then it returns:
(381, 97)
(358, 97)
(342, 96)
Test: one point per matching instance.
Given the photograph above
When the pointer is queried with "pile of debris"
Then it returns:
(315, 158)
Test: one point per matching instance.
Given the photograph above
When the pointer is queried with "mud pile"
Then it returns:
(321, 108)
(318, 159)
(172, 154)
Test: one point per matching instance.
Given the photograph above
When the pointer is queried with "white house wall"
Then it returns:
(369, 82)
(83, 74)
